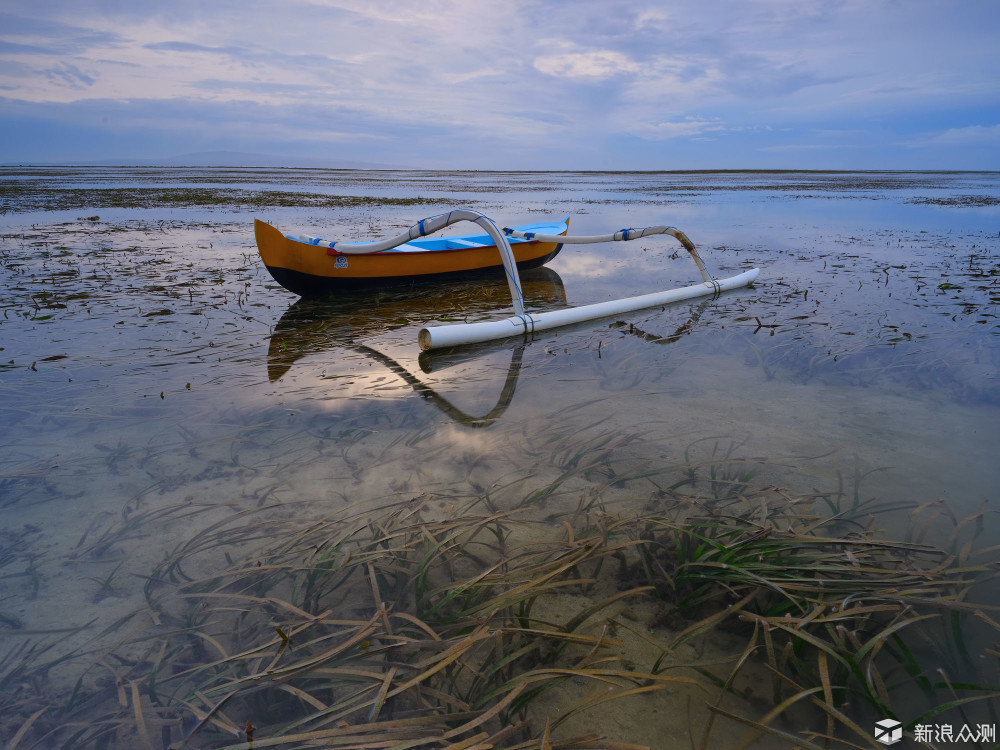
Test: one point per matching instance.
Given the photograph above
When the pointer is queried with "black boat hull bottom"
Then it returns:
(310, 285)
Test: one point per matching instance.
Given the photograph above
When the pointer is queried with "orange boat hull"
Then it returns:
(307, 269)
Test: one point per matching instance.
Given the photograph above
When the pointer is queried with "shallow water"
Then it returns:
(153, 378)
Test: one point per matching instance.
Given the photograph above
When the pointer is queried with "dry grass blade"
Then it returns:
(590, 611)
(140, 721)
(600, 697)
(394, 733)
(844, 721)
(586, 742)
(379, 604)
(303, 696)
(473, 743)
(449, 656)
(382, 691)
(312, 662)
(419, 623)
(489, 714)
(771, 715)
(247, 599)
(711, 621)
(824, 676)
(15, 741)
(213, 716)
(760, 728)
(725, 688)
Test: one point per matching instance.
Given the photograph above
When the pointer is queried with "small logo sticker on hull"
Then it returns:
(341, 262)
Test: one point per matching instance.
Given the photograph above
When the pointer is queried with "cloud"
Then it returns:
(11, 48)
(793, 147)
(70, 75)
(653, 19)
(598, 64)
(188, 47)
(683, 128)
(973, 135)
(250, 90)
(47, 36)
(590, 80)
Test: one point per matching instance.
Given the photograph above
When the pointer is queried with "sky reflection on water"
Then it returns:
(149, 362)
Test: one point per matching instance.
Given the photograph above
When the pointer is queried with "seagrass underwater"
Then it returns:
(233, 517)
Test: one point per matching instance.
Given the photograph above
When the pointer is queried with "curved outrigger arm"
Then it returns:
(622, 235)
(435, 223)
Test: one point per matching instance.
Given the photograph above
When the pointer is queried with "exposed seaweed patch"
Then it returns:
(959, 200)
(20, 198)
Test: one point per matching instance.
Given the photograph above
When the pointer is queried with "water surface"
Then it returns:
(154, 379)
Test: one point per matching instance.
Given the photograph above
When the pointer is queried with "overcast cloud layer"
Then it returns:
(522, 84)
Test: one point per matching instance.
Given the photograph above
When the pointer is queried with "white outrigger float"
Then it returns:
(300, 258)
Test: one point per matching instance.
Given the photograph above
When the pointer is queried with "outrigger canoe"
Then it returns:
(310, 265)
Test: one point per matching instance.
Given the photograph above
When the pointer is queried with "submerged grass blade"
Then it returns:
(445, 633)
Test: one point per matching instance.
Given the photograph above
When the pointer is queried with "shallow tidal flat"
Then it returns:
(234, 518)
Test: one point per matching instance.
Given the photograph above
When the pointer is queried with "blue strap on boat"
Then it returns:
(421, 225)
(528, 235)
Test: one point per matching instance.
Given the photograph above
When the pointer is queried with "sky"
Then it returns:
(505, 84)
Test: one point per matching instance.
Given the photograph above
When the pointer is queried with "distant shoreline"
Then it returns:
(154, 165)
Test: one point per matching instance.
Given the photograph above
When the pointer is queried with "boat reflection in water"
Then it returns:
(315, 325)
